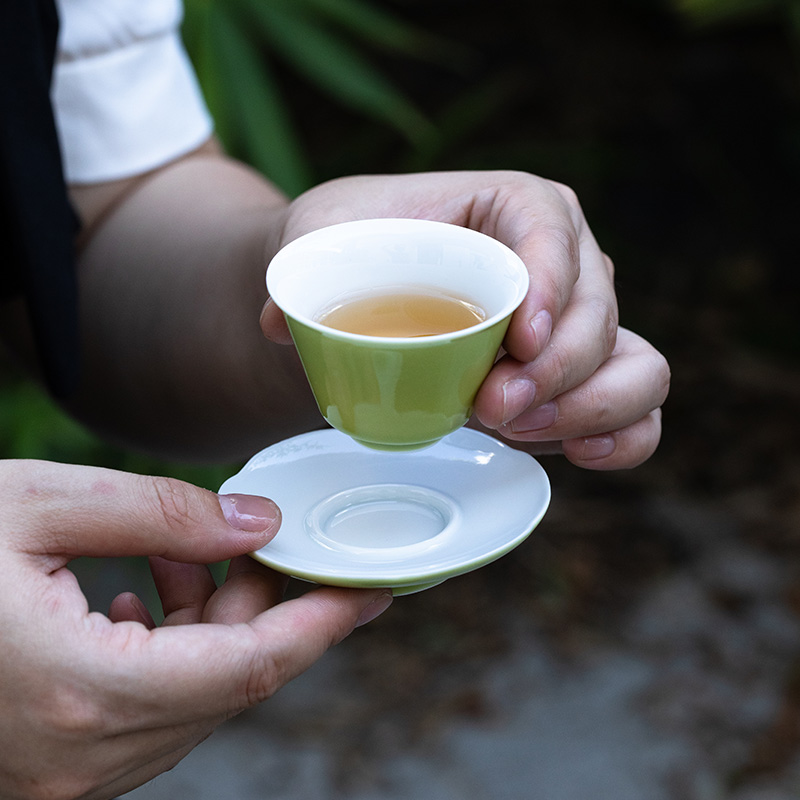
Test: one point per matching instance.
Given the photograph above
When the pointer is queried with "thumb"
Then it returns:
(62, 509)
(216, 670)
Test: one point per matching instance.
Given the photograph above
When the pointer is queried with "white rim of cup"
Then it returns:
(286, 251)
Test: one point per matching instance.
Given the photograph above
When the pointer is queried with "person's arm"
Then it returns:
(172, 281)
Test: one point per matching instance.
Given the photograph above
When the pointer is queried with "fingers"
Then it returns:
(193, 672)
(550, 234)
(548, 240)
(184, 590)
(539, 219)
(583, 340)
(590, 386)
(67, 510)
(127, 607)
(566, 327)
(300, 631)
(190, 595)
(249, 589)
(610, 421)
(179, 673)
(620, 449)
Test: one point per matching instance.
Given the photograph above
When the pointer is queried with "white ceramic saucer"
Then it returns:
(359, 517)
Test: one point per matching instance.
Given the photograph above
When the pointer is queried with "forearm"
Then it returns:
(172, 284)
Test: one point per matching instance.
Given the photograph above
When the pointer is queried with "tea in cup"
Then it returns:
(397, 323)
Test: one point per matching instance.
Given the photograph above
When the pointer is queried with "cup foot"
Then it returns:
(397, 448)
(387, 520)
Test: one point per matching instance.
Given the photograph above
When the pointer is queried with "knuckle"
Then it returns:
(566, 249)
(664, 378)
(599, 402)
(264, 678)
(645, 439)
(611, 329)
(604, 321)
(559, 367)
(569, 195)
(609, 262)
(171, 500)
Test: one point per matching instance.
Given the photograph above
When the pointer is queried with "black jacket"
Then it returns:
(39, 225)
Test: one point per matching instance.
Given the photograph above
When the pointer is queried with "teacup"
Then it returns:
(392, 392)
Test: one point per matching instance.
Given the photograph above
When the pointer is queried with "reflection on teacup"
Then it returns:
(436, 300)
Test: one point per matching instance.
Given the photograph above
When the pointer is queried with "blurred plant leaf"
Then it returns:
(335, 66)
(197, 35)
(464, 116)
(381, 29)
(707, 13)
(232, 44)
(794, 18)
(34, 427)
(250, 115)
(710, 12)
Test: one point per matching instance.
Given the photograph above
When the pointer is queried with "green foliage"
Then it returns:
(706, 13)
(32, 425)
(236, 44)
(251, 118)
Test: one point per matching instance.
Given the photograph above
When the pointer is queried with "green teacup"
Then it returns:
(390, 392)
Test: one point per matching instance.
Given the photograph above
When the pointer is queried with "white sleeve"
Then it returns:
(125, 95)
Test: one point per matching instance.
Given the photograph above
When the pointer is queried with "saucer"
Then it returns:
(408, 521)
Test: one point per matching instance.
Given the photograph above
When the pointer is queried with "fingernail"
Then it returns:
(536, 419)
(595, 447)
(375, 608)
(518, 394)
(248, 512)
(542, 325)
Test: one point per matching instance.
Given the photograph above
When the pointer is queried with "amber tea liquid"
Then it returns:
(402, 313)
